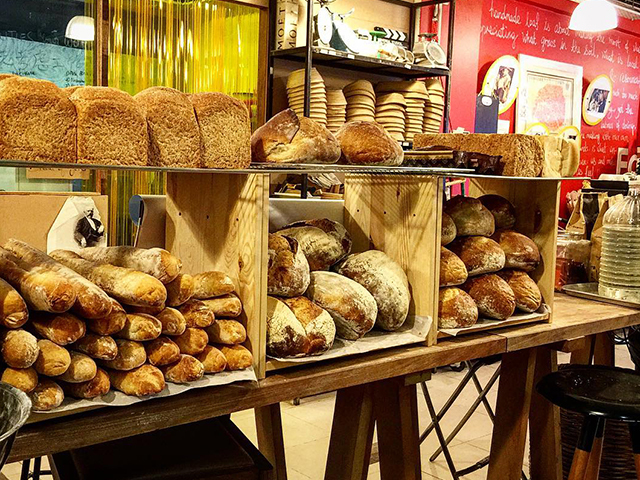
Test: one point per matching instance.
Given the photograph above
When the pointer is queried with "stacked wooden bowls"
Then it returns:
(416, 95)
(390, 113)
(318, 100)
(361, 101)
(434, 108)
(336, 110)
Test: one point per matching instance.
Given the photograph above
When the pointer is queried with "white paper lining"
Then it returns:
(485, 324)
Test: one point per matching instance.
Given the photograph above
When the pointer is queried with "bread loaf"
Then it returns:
(19, 348)
(470, 217)
(186, 369)
(520, 251)
(13, 310)
(25, 379)
(96, 387)
(38, 122)
(449, 231)
(228, 306)
(81, 369)
(172, 321)
(153, 311)
(526, 291)
(53, 360)
(140, 328)
(130, 355)
(323, 241)
(112, 129)
(352, 307)
(452, 270)
(225, 130)
(561, 156)
(100, 347)
(238, 357)
(62, 329)
(286, 336)
(197, 314)
(288, 274)
(180, 290)
(162, 351)
(368, 143)
(287, 138)
(128, 286)
(174, 137)
(456, 309)
(46, 396)
(212, 284)
(318, 324)
(492, 295)
(112, 323)
(385, 280)
(479, 254)
(139, 382)
(192, 342)
(504, 213)
(226, 332)
(212, 360)
(156, 262)
(91, 301)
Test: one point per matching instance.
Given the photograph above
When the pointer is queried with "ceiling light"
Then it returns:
(594, 16)
(81, 28)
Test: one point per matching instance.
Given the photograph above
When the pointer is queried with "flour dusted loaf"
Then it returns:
(172, 322)
(140, 328)
(196, 314)
(288, 138)
(212, 360)
(112, 323)
(521, 252)
(96, 387)
(46, 396)
(101, 347)
(174, 136)
(162, 351)
(81, 369)
(53, 360)
(368, 143)
(226, 332)
(186, 369)
(352, 307)
(130, 355)
(225, 130)
(13, 309)
(225, 306)
(526, 291)
(317, 322)
(492, 295)
(19, 348)
(25, 379)
(238, 357)
(288, 274)
(449, 231)
(112, 129)
(61, 329)
(456, 309)
(212, 284)
(180, 290)
(323, 241)
(479, 254)
(286, 336)
(503, 211)
(453, 271)
(139, 382)
(385, 280)
(470, 217)
(37, 121)
(192, 342)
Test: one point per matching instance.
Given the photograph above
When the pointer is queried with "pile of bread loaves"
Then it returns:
(159, 126)
(485, 266)
(317, 290)
(112, 317)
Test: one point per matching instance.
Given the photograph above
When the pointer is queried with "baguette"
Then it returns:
(153, 311)
(46, 291)
(186, 369)
(53, 360)
(98, 386)
(212, 359)
(193, 341)
(112, 323)
(212, 284)
(227, 332)
(101, 347)
(197, 314)
(19, 348)
(153, 261)
(13, 309)
(173, 322)
(81, 369)
(61, 329)
(140, 327)
(238, 357)
(46, 396)
(180, 290)
(228, 305)
(25, 379)
(162, 351)
(91, 301)
(130, 355)
(124, 284)
(140, 382)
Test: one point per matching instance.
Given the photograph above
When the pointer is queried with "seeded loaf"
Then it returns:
(368, 143)
(288, 274)
(479, 254)
(470, 216)
(456, 309)
(493, 296)
(112, 129)
(37, 121)
(453, 271)
(225, 130)
(317, 323)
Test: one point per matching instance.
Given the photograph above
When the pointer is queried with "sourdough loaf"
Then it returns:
(526, 291)
(162, 351)
(456, 309)
(470, 216)
(479, 254)
(130, 355)
(492, 295)
(317, 323)
(225, 306)
(238, 357)
(449, 231)
(61, 329)
(521, 252)
(286, 336)
(502, 210)
(180, 290)
(140, 327)
(196, 314)
(452, 269)
(226, 332)
(288, 274)
(368, 143)
(192, 342)
(173, 322)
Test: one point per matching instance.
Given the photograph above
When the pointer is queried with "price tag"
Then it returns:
(350, 57)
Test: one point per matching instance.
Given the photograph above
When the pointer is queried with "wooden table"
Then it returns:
(365, 381)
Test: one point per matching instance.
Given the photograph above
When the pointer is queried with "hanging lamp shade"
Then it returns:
(82, 28)
(594, 16)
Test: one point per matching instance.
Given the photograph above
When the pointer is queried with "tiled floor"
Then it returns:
(307, 428)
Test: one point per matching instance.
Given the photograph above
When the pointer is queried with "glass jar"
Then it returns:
(572, 260)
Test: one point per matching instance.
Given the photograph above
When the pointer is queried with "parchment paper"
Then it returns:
(485, 324)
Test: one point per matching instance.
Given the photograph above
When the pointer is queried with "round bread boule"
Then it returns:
(452, 269)
(503, 211)
(368, 143)
(456, 309)
(520, 251)
(470, 217)
(492, 295)
(449, 232)
(288, 274)
(479, 254)
(528, 296)
(19, 348)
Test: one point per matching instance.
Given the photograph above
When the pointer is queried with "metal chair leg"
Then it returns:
(24, 473)
(485, 402)
(37, 464)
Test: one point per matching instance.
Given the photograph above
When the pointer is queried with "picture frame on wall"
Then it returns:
(550, 94)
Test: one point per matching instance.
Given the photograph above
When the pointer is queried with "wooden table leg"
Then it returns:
(604, 350)
(270, 438)
(512, 415)
(396, 412)
(351, 434)
(544, 424)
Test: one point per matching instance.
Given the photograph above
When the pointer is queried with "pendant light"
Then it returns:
(594, 16)
(82, 28)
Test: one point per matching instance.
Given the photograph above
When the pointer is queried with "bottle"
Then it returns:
(620, 260)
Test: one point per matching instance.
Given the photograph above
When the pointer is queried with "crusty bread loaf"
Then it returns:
(37, 121)
(172, 321)
(13, 309)
(212, 284)
(101, 347)
(197, 314)
(112, 323)
(225, 130)
(317, 322)
(140, 328)
(112, 129)
(19, 348)
(561, 156)
(287, 138)
(25, 379)
(179, 290)
(162, 351)
(153, 311)
(62, 329)
(470, 216)
(130, 355)
(449, 231)
(139, 382)
(492, 295)
(479, 254)
(156, 262)
(323, 241)
(53, 360)
(186, 369)
(192, 342)
(226, 306)
(96, 387)
(226, 332)
(46, 396)
(286, 336)
(452, 269)
(368, 143)
(526, 291)
(212, 359)
(385, 280)
(81, 369)
(456, 309)
(520, 251)
(238, 357)
(288, 274)
(503, 211)
(174, 137)
(352, 307)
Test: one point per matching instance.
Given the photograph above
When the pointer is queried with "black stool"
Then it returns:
(600, 394)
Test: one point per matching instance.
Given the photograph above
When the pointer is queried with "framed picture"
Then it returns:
(550, 94)
(597, 100)
(502, 81)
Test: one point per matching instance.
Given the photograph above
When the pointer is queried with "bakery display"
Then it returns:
(288, 274)
(367, 143)
(470, 216)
